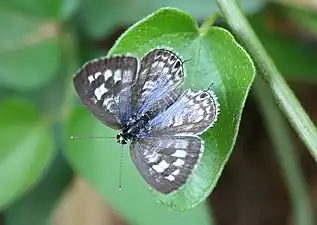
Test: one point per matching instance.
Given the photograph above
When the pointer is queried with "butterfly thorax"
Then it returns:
(132, 128)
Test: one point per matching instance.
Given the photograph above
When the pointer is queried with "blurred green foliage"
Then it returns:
(38, 204)
(26, 148)
(41, 45)
(285, 48)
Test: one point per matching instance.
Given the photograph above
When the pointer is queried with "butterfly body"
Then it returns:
(162, 122)
(133, 128)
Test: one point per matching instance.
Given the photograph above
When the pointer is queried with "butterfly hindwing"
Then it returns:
(105, 87)
(166, 162)
(193, 113)
(163, 104)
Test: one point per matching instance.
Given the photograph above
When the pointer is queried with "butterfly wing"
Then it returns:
(165, 162)
(161, 71)
(105, 87)
(192, 113)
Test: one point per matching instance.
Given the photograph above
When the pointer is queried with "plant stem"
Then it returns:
(209, 22)
(286, 153)
(284, 96)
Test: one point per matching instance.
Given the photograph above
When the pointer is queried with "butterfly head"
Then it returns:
(122, 139)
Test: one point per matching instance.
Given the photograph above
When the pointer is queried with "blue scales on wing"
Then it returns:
(161, 71)
(193, 113)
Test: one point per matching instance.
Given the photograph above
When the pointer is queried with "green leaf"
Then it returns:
(99, 17)
(69, 8)
(37, 206)
(198, 9)
(47, 9)
(29, 50)
(26, 148)
(214, 58)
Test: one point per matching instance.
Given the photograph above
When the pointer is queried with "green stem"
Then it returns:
(286, 153)
(281, 91)
(209, 22)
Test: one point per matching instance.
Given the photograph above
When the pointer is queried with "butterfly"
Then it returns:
(162, 122)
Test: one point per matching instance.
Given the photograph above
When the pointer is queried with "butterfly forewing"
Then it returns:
(105, 87)
(161, 71)
(166, 162)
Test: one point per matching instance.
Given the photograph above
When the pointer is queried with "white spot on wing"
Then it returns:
(161, 166)
(176, 172)
(91, 78)
(100, 91)
(107, 74)
(152, 157)
(160, 64)
(178, 162)
(179, 153)
(198, 119)
(117, 76)
(157, 168)
(208, 109)
(178, 121)
(107, 101)
(206, 102)
(165, 57)
(165, 70)
(97, 74)
(170, 177)
(154, 64)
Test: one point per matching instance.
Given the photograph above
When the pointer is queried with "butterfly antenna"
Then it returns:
(89, 137)
(120, 171)
(210, 86)
(187, 60)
